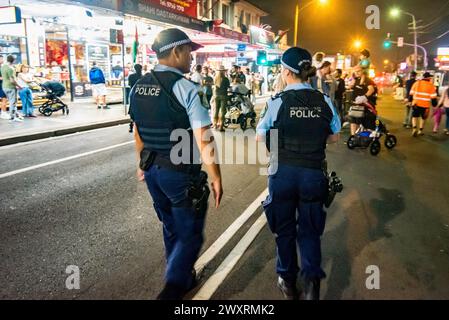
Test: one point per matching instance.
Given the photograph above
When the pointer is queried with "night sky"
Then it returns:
(334, 27)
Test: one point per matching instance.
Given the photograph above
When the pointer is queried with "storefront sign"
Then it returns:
(82, 90)
(185, 7)
(261, 37)
(241, 47)
(230, 34)
(148, 9)
(10, 15)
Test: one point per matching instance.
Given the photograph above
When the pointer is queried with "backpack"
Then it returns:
(96, 76)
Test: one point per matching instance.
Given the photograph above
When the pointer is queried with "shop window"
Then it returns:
(248, 19)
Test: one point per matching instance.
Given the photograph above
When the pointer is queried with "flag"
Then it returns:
(135, 46)
(280, 35)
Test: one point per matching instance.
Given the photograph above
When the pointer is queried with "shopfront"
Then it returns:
(42, 41)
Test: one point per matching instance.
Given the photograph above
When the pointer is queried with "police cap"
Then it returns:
(293, 58)
(169, 38)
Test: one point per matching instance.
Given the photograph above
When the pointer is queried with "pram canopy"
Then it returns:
(54, 87)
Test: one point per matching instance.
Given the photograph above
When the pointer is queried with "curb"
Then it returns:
(61, 132)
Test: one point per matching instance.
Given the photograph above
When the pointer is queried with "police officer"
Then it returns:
(305, 121)
(170, 123)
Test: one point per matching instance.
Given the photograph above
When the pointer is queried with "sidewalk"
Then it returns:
(83, 116)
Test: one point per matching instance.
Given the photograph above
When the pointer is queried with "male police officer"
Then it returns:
(305, 121)
(164, 105)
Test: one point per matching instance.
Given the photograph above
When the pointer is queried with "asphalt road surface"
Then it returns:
(78, 203)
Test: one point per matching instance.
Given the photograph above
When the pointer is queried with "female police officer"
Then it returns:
(165, 105)
(304, 121)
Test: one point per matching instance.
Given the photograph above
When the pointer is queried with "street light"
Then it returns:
(358, 44)
(322, 2)
(395, 12)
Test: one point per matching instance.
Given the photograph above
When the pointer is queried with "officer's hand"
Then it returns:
(140, 175)
(217, 189)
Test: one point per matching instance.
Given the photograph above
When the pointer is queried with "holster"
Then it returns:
(146, 159)
(199, 193)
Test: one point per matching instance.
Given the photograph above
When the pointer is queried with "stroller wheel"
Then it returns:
(243, 123)
(227, 122)
(67, 110)
(41, 109)
(351, 142)
(47, 112)
(375, 148)
(253, 123)
(390, 141)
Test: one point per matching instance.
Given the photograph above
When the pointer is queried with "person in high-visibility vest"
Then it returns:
(424, 95)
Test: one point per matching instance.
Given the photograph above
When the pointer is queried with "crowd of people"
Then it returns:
(216, 86)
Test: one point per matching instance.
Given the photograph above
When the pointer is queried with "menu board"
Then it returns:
(100, 54)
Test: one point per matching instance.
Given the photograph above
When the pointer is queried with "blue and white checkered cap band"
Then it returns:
(174, 44)
(291, 68)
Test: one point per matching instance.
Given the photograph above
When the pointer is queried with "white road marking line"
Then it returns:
(212, 284)
(45, 164)
(215, 248)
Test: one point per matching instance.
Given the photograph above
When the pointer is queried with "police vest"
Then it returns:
(157, 114)
(303, 125)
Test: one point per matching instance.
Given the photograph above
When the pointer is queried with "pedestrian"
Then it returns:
(241, 75)
(10, 87)
(339, 92)
(444, 104)
(409, 99)
(132, 80)
(25, 79)
(98, 82)
(362, 85)
(208, 82)
(297, 183)
(222, 86)
(3, 100)
(279, 83)
(319, 82)
(318, 59)
(424, 94)
(163, 102)
(196, 76)
(365, 62)
(261, 82)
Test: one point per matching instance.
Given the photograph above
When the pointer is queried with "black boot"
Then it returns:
(312, 289)
(175, 292)
(288, 289)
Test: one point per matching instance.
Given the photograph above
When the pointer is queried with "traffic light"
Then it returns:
(262, 59)
(387, 42)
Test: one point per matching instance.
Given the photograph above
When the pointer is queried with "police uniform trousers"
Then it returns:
(182, 225)
(294, 210)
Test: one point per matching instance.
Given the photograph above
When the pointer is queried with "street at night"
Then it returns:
(91, 212)
(203, 159)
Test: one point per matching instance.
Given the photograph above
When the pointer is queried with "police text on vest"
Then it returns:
(143, 90)
(304, 113)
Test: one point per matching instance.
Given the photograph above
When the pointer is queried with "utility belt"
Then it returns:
(309, 164)
(149, 158)
(197, 193)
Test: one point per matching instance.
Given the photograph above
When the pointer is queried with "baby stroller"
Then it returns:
(53, 91)
(240, 109)
(370, 130)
